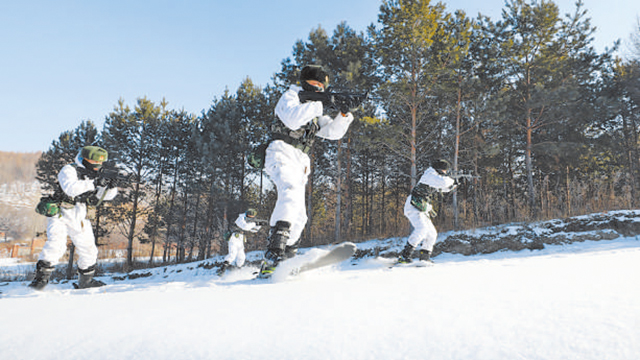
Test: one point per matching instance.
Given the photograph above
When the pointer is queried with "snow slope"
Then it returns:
(578, 301)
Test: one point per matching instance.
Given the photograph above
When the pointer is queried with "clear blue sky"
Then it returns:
(62, 62)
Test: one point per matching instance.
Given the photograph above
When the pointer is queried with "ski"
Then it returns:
(416, 263)
(338, 254)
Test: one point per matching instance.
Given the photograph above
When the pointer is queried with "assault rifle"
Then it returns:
(111, 176)
(340, 101)
(457, 175)
(260, 222)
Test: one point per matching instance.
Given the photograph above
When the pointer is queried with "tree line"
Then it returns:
(525, 102)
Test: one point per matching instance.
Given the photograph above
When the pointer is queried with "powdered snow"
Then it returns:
(577, 301)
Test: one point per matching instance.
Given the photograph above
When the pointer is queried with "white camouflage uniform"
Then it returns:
(423, 230)
(237, 239)
(288, 167)
(72, 220)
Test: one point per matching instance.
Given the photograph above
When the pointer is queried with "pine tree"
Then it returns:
(221, 142)
(545, 61)
(410, 47)
(131, 135)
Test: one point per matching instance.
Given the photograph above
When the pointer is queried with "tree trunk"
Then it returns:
(308, 236)
(347, 192)
(529, 167)
(383, 208)
(72, 251)
(132, 227)
(456, 152)
(171, 205)
(338, 193)
(183, 228)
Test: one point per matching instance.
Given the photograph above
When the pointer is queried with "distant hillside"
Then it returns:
(18, 185)
(19, 194)
(18, 167)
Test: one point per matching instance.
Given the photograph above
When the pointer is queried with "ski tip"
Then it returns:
(348, 245)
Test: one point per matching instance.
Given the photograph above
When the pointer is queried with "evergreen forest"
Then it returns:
(547, 125)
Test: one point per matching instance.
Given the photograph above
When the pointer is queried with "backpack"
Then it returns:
(48, 206)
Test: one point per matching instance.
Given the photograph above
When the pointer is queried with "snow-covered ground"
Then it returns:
(577, 301)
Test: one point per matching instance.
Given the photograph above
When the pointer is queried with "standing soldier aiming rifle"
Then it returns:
(79, 185)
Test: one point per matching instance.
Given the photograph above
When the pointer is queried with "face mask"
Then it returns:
(309, 87)
(90, 166)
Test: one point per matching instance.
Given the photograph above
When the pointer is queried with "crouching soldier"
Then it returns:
(419, 211)
(245, 223)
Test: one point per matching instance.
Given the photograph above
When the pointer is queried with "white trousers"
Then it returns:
(236, 250)
(73, 224)
(423, 230)
(289, 169)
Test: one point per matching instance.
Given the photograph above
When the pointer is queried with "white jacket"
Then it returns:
(73, 186)
(295, 115)
(245, 225)
(433, 179)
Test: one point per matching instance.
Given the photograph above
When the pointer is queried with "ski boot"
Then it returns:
(276, 249)
(223, 268)
(44, 269)
(290, 251)
(425, 256)
(86, 280)
(406, 254)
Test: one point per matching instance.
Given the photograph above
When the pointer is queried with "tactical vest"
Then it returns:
(60, 195)
(301, 139)
(422, 195)
(50, 205)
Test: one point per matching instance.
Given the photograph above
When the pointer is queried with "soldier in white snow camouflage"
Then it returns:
(287, 162)
(418, 210)
(79, 185)
(244, 223)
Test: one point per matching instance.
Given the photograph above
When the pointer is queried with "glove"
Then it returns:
(112, 183)
(86, 197)
(101, 182)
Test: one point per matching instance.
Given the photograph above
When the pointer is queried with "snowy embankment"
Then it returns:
(565, 301)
